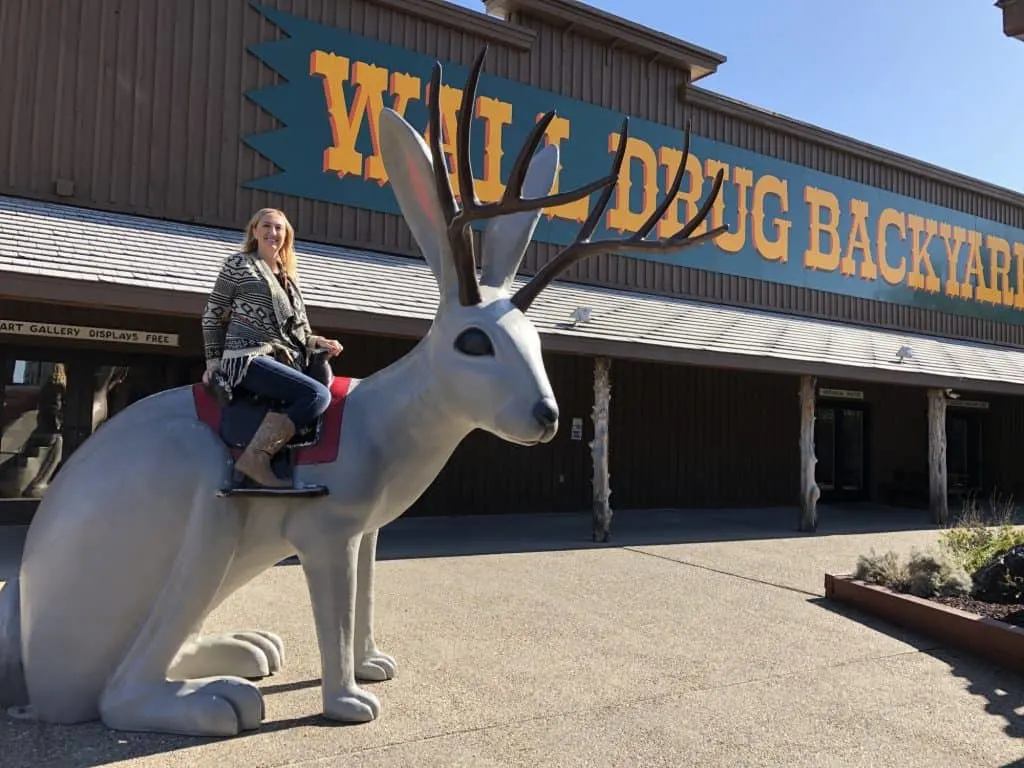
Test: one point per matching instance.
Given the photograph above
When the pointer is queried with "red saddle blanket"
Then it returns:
(325, 450)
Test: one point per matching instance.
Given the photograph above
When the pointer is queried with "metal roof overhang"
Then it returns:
(59, 253)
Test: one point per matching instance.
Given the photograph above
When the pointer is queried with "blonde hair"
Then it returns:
(287, 250)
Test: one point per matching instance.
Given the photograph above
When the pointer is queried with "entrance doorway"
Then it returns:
(51, 401)
(963, 451)
(840, 444)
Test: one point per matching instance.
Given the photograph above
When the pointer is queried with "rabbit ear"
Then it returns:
(506, 237)
(410, 170)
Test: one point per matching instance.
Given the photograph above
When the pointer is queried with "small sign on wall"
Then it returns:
(576, 432)
(87, 333)
(841, 394)
(977, 405)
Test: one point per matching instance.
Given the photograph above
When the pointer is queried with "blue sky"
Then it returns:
(932, 79)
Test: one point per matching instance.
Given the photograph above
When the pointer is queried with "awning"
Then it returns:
(128, 262)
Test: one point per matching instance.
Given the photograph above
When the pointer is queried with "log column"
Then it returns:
(938, 484)
(809, 491)
(599, 450)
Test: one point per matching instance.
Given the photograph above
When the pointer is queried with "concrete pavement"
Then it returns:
(692, 639)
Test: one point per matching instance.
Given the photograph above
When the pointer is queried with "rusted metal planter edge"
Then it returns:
(995, 641)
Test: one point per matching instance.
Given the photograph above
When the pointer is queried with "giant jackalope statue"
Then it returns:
(132, 546)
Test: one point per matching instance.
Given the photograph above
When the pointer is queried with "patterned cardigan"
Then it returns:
(249, 314)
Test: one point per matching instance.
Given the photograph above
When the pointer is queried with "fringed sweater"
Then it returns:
(251, 313)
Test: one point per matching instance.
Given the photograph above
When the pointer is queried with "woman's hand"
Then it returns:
(333, 346)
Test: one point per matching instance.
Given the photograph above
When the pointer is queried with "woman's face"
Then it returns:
(270, 232)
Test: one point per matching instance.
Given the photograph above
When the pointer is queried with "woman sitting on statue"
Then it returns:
(256, 336)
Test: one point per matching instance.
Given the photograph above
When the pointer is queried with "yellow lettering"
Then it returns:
(404, 88)
(558, 131)
(814, 258)
(733, 240)
(999, 271)
(620, 217)
(953, 238)
(890, 218)
(777, 249)
(670, 224)
(1018, 262)
(495, 114)
(974, 269)
(859, 240)
(370, 82)
(919, 254)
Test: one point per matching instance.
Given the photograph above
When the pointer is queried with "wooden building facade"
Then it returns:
(176, 119)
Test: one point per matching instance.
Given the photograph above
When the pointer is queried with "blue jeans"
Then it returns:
(307, 398)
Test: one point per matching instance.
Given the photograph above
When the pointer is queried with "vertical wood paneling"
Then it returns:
(701, 437)
(1002, 438)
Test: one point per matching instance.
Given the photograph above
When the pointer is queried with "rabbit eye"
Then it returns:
(475, 342)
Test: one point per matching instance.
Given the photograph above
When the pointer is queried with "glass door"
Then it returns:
(963, 451)
(840, 445)
(825, 447)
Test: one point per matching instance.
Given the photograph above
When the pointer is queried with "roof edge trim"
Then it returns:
(487, 27)
(699, 62)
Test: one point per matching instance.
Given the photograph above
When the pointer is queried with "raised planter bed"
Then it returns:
(994, 640)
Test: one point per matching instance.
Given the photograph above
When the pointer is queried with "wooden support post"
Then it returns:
(938, 486)
(809, 491)
(599, 450)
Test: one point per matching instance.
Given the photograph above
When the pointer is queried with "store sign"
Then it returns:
(976, 405)
(840, 394)
(87, 333)
(788, 224)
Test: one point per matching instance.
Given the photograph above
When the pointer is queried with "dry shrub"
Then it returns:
(885, 570)
(924, 574)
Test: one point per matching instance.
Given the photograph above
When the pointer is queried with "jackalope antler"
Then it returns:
(512, 201)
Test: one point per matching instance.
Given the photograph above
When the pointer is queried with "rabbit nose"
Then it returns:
(546, 413)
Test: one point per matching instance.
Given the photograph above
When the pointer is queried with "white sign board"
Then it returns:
(978, 405)
(841, 394)
(87, 333)
(576, 432)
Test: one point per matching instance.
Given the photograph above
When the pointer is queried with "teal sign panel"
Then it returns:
(788, 224)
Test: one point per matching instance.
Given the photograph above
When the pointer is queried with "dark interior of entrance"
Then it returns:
(846, 453)
(964, 451)
(52, 400)
(840, 442)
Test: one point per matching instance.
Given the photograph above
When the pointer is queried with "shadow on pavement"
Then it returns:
(1002, 690)
(508, 534)
(470, 535)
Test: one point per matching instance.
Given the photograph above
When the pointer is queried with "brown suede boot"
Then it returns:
(275, 430)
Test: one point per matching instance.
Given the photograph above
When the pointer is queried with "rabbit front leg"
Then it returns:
(371, 663)
(330, 567)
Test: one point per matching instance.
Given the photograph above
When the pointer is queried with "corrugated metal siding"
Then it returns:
(701, 437)
(141, 104)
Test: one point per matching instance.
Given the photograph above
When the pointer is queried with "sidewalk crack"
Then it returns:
(751, 579)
